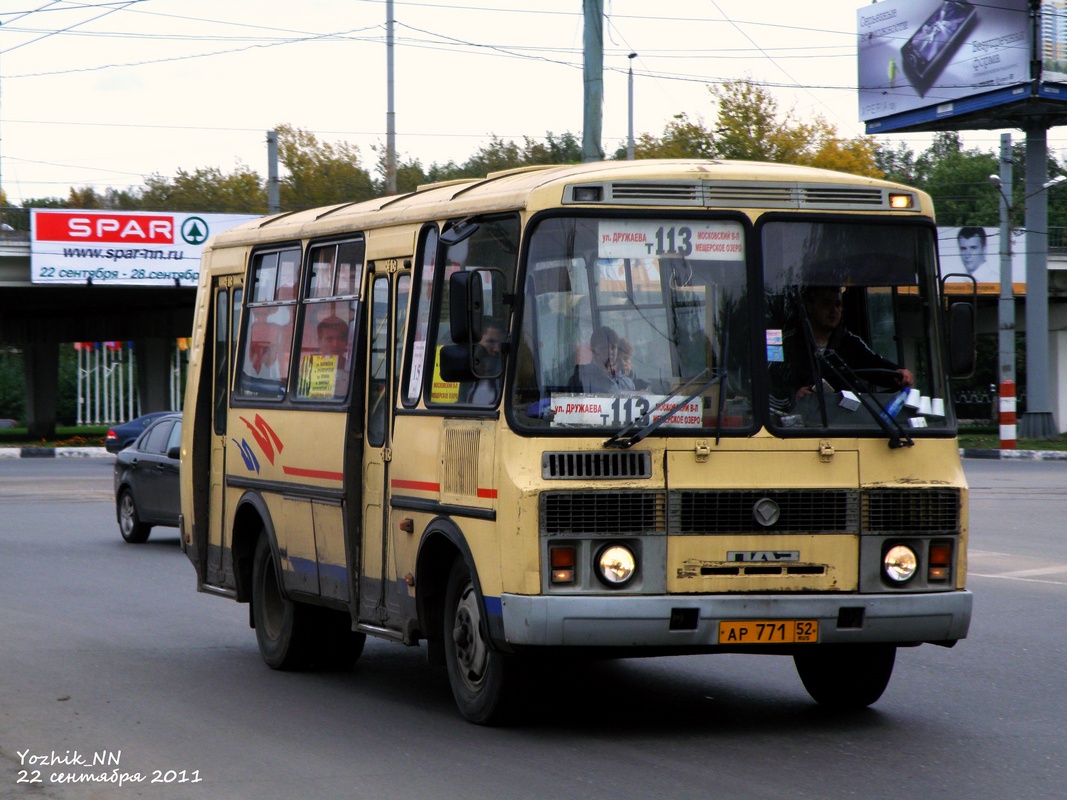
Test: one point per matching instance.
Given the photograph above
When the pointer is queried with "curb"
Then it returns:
(1014, 455)
(55, 452)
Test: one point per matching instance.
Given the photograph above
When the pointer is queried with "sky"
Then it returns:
(103, 93)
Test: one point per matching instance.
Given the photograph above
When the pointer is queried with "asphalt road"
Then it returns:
(107, 651)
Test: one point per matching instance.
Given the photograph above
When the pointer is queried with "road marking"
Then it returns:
(1010, 577)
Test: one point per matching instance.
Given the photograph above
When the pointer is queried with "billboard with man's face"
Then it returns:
(929, 53)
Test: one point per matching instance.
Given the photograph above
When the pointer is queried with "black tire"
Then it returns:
(283, 629)
(483, 679)
(846, 677)
(130, 526)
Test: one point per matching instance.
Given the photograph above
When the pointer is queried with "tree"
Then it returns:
(958, 182)
(320, 173)
(682, 138)
(750, 127)
(206, 190)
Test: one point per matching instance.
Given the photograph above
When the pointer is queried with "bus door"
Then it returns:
(227, 292)
(386, 312)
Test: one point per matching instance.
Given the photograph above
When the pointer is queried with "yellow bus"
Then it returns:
(624, 408)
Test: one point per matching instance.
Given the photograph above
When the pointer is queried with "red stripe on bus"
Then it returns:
(314, 473)
(419, 486)
(487, 493)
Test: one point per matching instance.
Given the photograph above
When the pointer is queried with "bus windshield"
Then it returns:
(851, 330)
(624, 319)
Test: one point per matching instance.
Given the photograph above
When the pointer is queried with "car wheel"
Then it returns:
(483, 679)
(847, 676)
(130, 526)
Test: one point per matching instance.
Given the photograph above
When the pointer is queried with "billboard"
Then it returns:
(917, 54)
(121, 248)
(975, 251)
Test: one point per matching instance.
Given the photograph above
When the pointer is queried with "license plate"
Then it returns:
(769, 631)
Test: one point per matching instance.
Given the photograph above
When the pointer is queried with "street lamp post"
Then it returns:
(630, 110)
(1036, 389)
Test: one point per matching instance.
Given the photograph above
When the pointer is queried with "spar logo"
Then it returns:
(104, 227)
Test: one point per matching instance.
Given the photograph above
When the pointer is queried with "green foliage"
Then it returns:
(320, 173)
(206, 190)
(12, 393)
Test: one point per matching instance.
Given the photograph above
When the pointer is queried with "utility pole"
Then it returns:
(274, 205)
(593, 73)
(390, 113)
(1008, 427)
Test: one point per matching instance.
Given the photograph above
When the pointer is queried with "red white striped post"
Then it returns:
(1007, 415)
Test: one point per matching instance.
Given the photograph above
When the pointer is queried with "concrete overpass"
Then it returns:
(38, 318)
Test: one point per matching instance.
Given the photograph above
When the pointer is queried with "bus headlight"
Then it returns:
(900, 563)
(616, 565)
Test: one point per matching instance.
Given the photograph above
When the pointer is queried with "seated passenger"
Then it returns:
(485, 390)
(602, 374)
(626, 365)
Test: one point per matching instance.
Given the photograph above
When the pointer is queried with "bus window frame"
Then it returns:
(238, 397)
(440, 284)
(416, 303)
(305, 302)
(753, 283)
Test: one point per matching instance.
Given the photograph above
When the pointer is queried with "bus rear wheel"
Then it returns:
(846, 676)
(482, 679)
(282, 627)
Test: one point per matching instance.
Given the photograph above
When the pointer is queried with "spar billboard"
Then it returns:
(121, 248)
(932, 59)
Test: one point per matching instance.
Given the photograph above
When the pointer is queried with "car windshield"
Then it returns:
(623, 319)
(851, 329)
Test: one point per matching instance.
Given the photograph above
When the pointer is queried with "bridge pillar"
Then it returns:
(153, 373)
(40, 365)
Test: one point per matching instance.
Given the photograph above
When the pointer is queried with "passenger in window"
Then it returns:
(626, 365)
(601, 375)
(486, 390)
(332, 335)
(333, 339)
(261, 359)
(823, 307)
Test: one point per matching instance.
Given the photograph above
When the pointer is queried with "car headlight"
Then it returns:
(616, 564)
(900, 563)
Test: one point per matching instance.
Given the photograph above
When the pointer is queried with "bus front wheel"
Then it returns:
(482, 678)
(846, 676)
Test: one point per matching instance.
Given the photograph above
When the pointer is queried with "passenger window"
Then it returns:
(268, 329)
(493, 246)
(335, 273)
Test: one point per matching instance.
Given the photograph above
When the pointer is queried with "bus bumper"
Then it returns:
(670, 621)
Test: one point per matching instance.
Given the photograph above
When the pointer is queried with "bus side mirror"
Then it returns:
(961, 338)
(465, 303)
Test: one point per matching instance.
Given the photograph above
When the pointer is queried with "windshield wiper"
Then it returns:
(623, 437)
(898, 437)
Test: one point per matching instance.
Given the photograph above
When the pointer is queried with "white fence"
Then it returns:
(107, 382)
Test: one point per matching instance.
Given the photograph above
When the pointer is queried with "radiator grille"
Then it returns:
(911, 511)
(460, 475)
(835, 197)
(799, 511)
(619, 464)
(601, 514)
(677, 193)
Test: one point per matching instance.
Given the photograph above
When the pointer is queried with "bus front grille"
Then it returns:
(602, 513)
(934, 511)
(579, 465)
(754, 511)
